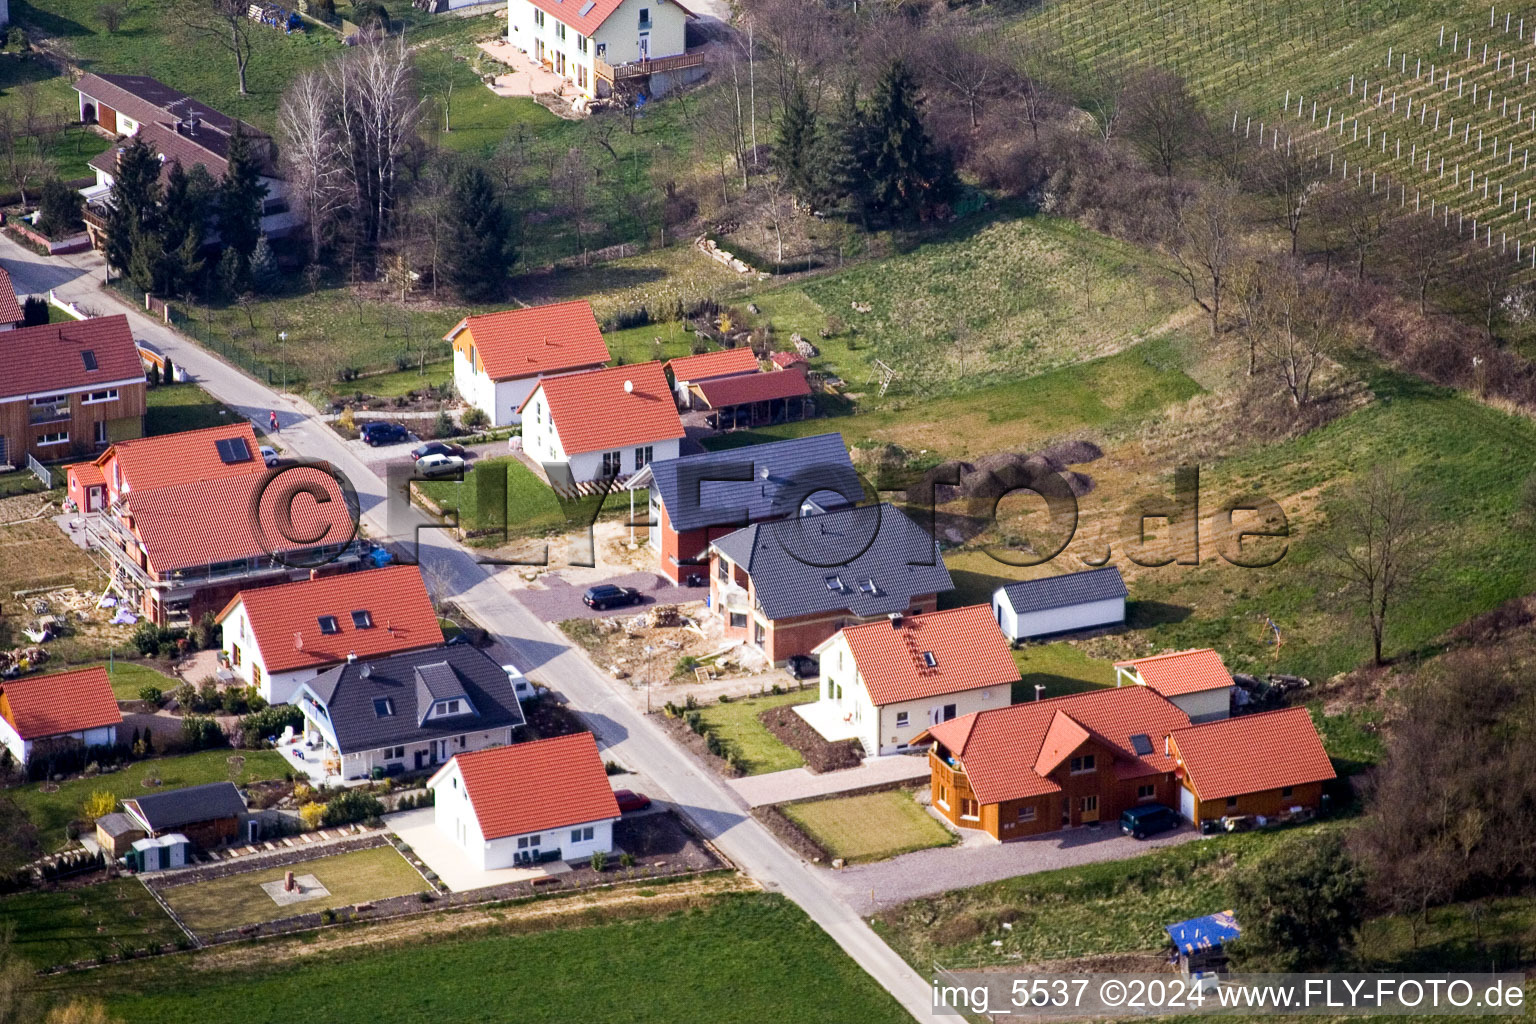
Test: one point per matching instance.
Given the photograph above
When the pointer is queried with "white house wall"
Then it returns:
(1205, 705)
(619, 35)
(502, 853)
(589, 465)
(498, 399)
(279, 688)
(13, 742)
(1061, 620)
(616, 41)
(542, 443)
(21, 750)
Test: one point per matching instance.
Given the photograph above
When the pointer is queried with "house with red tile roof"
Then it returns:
(68, 389)
(601, 424)
(277, 637)
(884, 682)
(59, 711)
(499, 357)
(143, 463)
(1197, 681)
(596, 44)
(526, 803)
(707, 366)
(10, 306)
(1268, 764)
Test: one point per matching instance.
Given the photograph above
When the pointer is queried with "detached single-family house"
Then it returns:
(145, 463)
(698, 498)
(10, 307)
(1197, 681)
(407, 712)
(1049, 764)
(40, 715)
(882, 683)
(596, 43)
(209, 815)
(68, 389)
(278, 637)
(499, 357)
(601, 424)
(536, 801)
(181, 130)
(1060, 604)
(1268, 764)
(686, 371)
(785, 586)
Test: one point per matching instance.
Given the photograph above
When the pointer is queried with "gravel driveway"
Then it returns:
(562, 600)
(872, 887)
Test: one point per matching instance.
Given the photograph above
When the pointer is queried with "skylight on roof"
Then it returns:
(869, 587)
(586, 8)
(362, 619)
(328, 624)
(929, 660)
(834, 583)
(1141, 743)
(88, 357)
(233, 450)
(383, 706)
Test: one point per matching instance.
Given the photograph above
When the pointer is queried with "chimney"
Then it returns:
(298, 641)
(629, 387)
(1039, 689)
(314, 574)
(351, 657)
(1167, 746)
(895, 618)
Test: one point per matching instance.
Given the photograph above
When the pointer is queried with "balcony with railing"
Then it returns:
(612, 73)
(56, 411)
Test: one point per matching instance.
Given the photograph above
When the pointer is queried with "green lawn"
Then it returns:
(522, 507)
(1061, 668)
(177, 407)
(737, 726)
(873, 826)
(129, 677)
(234, 900)
(478, 119)
(28, 78)
(747, 959)
(51, 812)
(83, 924)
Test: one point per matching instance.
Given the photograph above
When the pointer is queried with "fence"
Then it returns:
(40, 471)
(71, 308)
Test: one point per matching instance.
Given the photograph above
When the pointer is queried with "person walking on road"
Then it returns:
(272, 418)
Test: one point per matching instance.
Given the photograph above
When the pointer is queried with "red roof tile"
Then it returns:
(87, 473)
(1002, 748)
(210, 521)
(1064, 735)
(538, 340)
(10, 308)
(52, 357)
(725, 363)
(285, 619)
(170, 459)
(595, 410)
(64, 702)
(968, 649)
(542, 784)
(755, 387)
(1252, 753)
(786, 359)
(1182, 671)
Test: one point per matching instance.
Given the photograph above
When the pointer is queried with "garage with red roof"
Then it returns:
(59, 710)
(527, 803)
(1197, 681)
(1264, 764)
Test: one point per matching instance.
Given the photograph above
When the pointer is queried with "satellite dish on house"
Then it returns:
(629, 387)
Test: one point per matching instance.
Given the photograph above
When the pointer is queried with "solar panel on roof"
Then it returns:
(1141, 743)
(586, 8)
(232, 450)
(89, 359)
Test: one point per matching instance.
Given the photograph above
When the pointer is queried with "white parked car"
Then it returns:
(269, 455)
(521, 685)
(439, 465)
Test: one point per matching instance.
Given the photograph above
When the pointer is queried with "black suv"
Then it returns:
(421, 451)
(606, 595)
(375, 434)
(1148, 820)
(804, 666)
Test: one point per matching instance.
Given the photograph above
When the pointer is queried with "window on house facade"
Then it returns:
(1145, 792)
(448, 707)
(645, 17)
(527, 842)
(943, 795)
(1027, 813)
(581, 42)
(109, 395)
(902, 719)
(1089, 804)
(1231, 803)
(1287, 792)
(234, 651)
(969, 808)
(99, 432)
(581, 835)
(1085, 763)
(738, 620)
(643, 455)
(53, 437)
(538, 18)
(581, 83)
(255, 675)
(560, 30)
(613, 463)
(723, 570)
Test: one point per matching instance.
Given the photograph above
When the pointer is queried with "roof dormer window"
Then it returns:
(869, 587)
(834, 583)
(383, 707)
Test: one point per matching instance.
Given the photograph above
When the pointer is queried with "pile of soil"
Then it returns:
(547, 718)
(821, 755)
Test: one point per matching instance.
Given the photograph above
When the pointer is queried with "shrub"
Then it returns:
(443, 425)
(713, 744)
(322, 10)
(185, 696)
(685, 666)
(370, 14)
(611, 767)
(200, 733)
(34, 311)
(259, 725)
(312, 814)
(352, 806)
(147, 639)
(599, 861)
(99, 804)
(302, 792)
(206, 634)
(475, 417)
(151, 695)
(695, 721)
(626, 860)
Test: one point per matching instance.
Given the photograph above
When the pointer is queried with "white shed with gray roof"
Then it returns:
(1060, 604)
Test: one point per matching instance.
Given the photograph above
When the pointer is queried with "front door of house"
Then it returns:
(645, 46)
(1088, 809)
(421, 759)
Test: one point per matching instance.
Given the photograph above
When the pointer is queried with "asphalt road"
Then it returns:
(536, 646)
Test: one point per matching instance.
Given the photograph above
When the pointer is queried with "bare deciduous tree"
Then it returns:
(1423, 246)
(1380, 544)
(377, 112)
(1293, 177)
(963, 65)
(1203, 242)
(225, 23)
(1302, 323)
(312, 155)
(1160, 119)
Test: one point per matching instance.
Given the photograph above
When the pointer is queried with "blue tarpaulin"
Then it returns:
(1207, 932)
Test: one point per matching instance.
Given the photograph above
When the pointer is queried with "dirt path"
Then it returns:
(536, 916)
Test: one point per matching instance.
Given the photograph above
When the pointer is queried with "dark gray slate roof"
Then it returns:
(117, 824)
(349, 692)
(1064, 591)
(761, 481)
(870, 560)
(177, 807)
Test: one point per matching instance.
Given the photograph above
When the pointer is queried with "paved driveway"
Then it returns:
(561, 600)
(798, 783)
(872, 887)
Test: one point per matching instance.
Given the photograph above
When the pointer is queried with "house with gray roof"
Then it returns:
(785, 586)
(1060, 604)
(406, 712)
(696, 499)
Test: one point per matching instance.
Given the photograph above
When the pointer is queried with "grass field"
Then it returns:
(129, 677)
(737, 726)
(51, 812)
(177, 407)
(234, 900)
(873, 826)
(747, 958)
(71, 145)
(83, 924)
(1061, 668)
(525, 508)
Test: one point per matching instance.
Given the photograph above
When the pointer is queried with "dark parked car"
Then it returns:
(606, 595)
(421, 451)
(629, 800)
(376, 434)
(1148, 820)
(804, 666)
